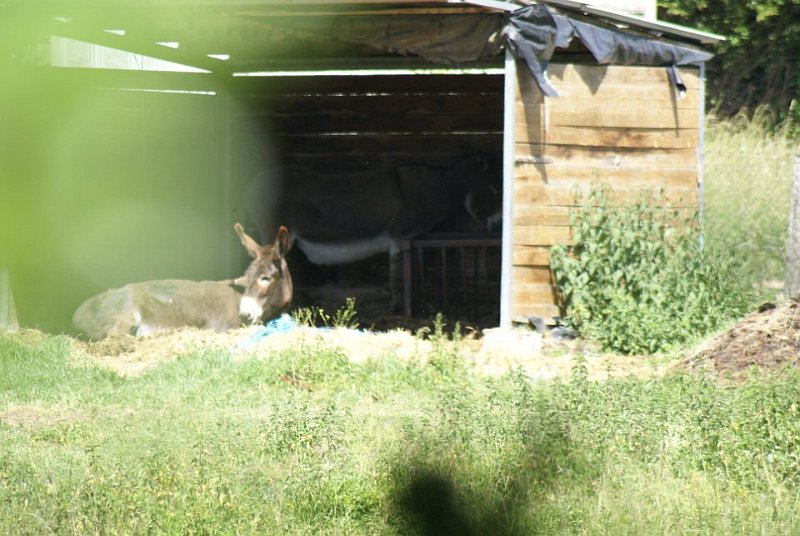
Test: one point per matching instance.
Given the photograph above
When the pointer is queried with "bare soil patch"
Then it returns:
(768, 339)
(130, 356)
(35, 415)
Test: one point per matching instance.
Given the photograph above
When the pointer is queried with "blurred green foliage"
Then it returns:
(106, 178)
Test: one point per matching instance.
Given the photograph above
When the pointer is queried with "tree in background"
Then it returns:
(758, 64)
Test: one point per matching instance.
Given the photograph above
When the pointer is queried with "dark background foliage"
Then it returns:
(758, 64)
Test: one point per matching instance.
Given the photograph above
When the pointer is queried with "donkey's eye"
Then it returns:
(264, 279)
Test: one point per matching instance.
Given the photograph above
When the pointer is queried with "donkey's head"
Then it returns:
(266, 282)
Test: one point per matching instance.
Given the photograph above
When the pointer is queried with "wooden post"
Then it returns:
(405, 250)
(792, 276)
(8, 314)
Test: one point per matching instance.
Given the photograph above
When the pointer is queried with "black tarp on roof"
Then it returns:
(532, 33)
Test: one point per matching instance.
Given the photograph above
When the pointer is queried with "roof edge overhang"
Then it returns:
(656, 27)
(639, 23)
(610, 36)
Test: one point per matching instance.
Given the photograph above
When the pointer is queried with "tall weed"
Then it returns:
(636, 280)
(746, 195)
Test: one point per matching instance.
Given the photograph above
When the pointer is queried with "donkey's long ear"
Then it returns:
(252, 247)
(283, 242)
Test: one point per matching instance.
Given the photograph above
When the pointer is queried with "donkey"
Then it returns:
(262, 293)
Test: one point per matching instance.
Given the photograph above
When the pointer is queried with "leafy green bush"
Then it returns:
(636, 280)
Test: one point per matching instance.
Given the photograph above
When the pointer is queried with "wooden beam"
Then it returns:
(521, 311)
(317, 10)
(542, 194)
(531, 256)
(325, 84)
(130, 79)
(530, 293)
(541, 235)
(627, 137)
(606, 157)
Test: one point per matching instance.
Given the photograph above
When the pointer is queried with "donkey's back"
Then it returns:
(154, 306)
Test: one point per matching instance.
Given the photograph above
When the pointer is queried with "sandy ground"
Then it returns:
(493, 352)
(769, 339)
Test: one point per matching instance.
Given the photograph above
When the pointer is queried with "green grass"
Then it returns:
(209, 444)
(747, 191)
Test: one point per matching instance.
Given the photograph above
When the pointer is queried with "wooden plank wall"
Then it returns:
(625, 127)
(337, 123)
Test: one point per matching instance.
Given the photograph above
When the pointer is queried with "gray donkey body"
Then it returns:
(144, 308)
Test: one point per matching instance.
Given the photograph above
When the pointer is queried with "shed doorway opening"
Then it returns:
(405, 163)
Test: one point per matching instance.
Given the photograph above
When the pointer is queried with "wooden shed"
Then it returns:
(562, 94)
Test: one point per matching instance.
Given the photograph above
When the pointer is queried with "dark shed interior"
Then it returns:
(358, 128)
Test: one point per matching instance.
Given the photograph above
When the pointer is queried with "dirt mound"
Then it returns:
(768, 339)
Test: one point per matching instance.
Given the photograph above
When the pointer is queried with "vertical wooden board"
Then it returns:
(510, 97)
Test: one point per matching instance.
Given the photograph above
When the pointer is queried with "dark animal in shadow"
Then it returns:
(338, 218)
